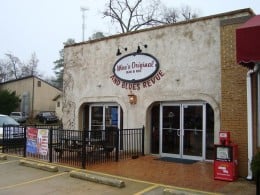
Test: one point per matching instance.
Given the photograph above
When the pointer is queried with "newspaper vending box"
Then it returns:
(225, 159)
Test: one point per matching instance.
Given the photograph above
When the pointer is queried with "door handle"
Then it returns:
(178, 132)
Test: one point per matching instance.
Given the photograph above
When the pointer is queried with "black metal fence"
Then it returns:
(73, 147)
(14, 139)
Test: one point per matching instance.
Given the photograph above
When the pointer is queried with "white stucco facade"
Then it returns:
(189, 56)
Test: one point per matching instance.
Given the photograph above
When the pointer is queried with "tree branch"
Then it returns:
(132, 15)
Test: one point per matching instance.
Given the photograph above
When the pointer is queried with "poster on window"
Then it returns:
(114, 116)
(31, 144)
(42, 141)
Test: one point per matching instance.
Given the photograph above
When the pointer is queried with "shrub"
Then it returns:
(8, 101)
(255, 165)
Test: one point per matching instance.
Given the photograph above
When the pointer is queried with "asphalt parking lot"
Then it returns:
(18, 179)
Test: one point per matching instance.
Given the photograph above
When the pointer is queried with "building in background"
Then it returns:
(58, 106)
(35, 94)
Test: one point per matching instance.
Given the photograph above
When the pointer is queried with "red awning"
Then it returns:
(248, 42)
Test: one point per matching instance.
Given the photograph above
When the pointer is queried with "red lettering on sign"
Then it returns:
(137, 86)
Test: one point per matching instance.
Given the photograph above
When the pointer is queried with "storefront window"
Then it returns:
(99, 116)
(102, 116)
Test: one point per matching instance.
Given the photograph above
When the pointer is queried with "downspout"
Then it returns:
(250, 120)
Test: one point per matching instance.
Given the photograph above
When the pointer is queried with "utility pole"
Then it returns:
(83, 9)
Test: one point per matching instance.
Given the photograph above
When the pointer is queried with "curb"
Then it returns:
(3, 157)
(39, 166)
(98, 179)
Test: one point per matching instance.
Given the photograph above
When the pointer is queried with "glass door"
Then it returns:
(182, 130)
(193, 131)
(171, 127)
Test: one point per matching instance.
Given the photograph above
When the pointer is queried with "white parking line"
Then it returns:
(147, 190)
(10, 161)
(31, 181)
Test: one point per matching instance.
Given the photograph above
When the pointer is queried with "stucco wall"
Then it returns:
(189, 57)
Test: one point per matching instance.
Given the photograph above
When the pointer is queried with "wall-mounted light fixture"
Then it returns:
(139, 50)
(118, 53)
(132, 98)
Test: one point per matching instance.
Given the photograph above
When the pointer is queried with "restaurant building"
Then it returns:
(180, 81)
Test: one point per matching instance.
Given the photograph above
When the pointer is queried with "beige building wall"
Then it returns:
(43, 96)
(58, 106)
(40, 93)
(22, 87)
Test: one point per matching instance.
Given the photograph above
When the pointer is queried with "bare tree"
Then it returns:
(136, 15)
(187, 13)
(14, 62)
(173, 15)
(13, 68)
(31, 67)
(170, 15)
(5, 71)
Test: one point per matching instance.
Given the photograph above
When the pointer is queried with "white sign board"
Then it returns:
(136, 67)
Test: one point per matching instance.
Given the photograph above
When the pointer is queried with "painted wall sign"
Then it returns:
(136, 67)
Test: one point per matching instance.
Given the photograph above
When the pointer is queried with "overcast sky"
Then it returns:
(29, 26)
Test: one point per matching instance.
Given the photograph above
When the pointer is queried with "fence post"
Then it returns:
(84, 149)
(25, 140)
(3, 139)
(50, 144)
(257, 182)
(143, 140)
(117, 144)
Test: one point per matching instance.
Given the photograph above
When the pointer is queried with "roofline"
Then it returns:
(57, 97)
(249, 10)
(28, 77)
